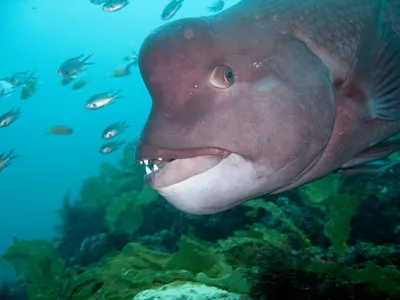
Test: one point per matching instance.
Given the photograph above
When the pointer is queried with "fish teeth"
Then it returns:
(148, 171)
(148, 163)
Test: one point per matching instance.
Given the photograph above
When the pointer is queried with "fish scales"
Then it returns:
(336, 26)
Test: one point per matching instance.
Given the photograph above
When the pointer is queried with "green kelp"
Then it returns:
(322, 190)
(195, 257)
(271, 208)
(127, 175)
(87, 215)
(317, 274)
(244, 247)
(338, 228)
(42, 266)
(137, 268)
(294, 275)
(125, 213)
(148, 243)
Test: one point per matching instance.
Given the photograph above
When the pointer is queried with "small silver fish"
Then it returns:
(114, 129)
(97, 2)
(101, 100)
(73, 66)
(171, 9)
(5, 160)
(114, 5)
(6, 88)
(111, 147)
(217, 6)
(132, 60)
(22, 78)
(9, 117)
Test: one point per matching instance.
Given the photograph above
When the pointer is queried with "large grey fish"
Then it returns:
(5, 159)
(73, 66)
(268, 95)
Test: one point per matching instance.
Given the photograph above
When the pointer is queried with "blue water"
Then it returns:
(39, 40)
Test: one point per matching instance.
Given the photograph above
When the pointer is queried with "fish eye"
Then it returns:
(222, 77)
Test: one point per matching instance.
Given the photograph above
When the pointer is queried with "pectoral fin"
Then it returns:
(373, 160)
(374, 78)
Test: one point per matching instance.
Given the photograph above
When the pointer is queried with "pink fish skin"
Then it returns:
(269, 95)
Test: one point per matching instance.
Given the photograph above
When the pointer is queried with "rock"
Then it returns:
(186, 291)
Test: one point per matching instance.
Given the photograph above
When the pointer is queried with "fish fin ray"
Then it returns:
(116, 95)
(84, 62)
(374, 153)
(374, 78)
(373, 168)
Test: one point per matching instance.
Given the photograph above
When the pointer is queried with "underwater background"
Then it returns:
(38, 35)
(76, 223)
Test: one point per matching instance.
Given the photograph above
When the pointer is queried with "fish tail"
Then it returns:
(132, 64)
(124, 125)
(121, 143)
(31, 76)
(10, 156)
(84, 62)
(17, 112)
(116, 95)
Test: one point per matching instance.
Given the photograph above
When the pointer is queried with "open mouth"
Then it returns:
(165, 167)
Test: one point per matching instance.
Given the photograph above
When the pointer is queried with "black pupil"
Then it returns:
(228, 74)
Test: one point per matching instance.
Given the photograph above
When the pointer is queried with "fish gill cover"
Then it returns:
(267, 167)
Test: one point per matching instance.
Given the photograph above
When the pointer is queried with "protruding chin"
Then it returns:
(218, 188)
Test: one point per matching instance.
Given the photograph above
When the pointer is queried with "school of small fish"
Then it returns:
(70, 70)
